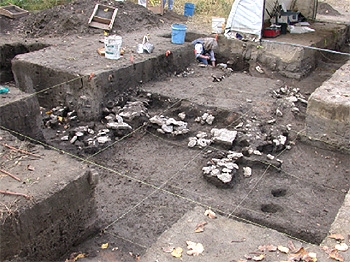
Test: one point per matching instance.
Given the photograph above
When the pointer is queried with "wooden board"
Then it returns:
(155, 8)
(103, 17)
(13, 11)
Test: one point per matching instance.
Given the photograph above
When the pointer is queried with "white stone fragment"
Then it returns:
(279, 113)
(224, 135)
(225, 177)
(234, 155)
(103, 139)
(182, 115)
(74, 138)
(269, 156)
(192, 142)
(171, 121)
(64, 138)
(247, 171)
(157, 120)
(201, 142)
(167, 129)
(210, 119)
(257, 152)
(292, 99)
(159, 130)
(226, 170)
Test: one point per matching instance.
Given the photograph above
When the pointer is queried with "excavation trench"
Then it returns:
(132, 125)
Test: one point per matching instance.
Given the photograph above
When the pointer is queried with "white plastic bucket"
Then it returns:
(113, 44)
(218, 25)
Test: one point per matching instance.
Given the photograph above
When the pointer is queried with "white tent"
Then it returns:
(247, 16)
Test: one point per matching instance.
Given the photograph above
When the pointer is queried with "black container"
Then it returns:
(284, 27)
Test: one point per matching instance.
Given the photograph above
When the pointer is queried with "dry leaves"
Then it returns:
(259, 258)
(336, 236)
(333, 254)
(269, 248)
(104, 246)
(283, 249)
(195, 249)
(303, 255)
(75, 256)
(200, 227)
(177, 252)
(209, 213)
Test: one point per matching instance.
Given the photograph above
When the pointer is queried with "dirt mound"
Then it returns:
(326, 9)
(73, 18)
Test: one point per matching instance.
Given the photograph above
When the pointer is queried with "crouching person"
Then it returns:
(203, 50)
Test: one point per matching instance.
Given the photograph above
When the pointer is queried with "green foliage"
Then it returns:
(32, 5)
(220, 8)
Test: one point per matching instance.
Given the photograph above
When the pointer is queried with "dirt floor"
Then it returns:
(149, 180)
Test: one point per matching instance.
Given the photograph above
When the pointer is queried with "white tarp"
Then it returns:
(246, 16)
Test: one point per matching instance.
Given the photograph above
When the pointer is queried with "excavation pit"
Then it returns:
(149, 179)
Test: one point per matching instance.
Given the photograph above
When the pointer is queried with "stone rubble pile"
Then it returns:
(221, 171)
(66, 124)
(291, 97)
(168, 125)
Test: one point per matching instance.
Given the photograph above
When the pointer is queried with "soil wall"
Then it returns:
(45, 231)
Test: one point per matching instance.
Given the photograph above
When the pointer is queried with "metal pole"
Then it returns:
(304, 46)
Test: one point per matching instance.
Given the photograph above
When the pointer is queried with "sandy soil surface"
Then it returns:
(149, 180)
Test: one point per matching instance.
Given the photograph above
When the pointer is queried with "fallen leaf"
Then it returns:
(91, 76)
(341, 247)
(168, 249)
(79, 256)
(30, 168)
(291, 246)
(270, 248)
(302, 255)
(259, 258)
(336, 236)
(200, 227)
(209, 213)
(177, 252)
(336, 256)
(283, 249)
(195, 249)
(104, 246)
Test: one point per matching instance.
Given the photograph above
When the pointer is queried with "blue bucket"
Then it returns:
(189, 9)
(178, 33)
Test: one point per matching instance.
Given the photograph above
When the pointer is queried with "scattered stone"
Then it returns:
(247, 171)
(269, 156)
(279, 113)
(182, 115)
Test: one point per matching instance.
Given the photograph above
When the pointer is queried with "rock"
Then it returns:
(182, 115)
(223, 136)
(64, 138)
(279, 113)
(192, 142)
(269, 156)
(74, 138)
(210, 119)
(167, 129)
(157, 120)
(103, 139)
(225, 177)
(247, 171)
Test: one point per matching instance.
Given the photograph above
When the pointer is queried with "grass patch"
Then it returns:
(216, 8)
(32, 5)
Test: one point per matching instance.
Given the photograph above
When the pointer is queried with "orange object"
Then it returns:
(91, 76)
(167, 53)
(131, 58)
